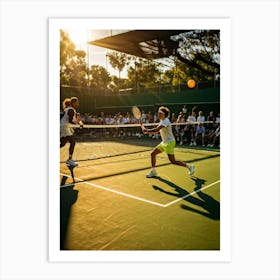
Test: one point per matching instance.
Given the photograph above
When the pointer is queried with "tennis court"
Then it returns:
(113, 206)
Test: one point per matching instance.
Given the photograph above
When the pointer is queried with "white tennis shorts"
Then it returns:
(66, 130)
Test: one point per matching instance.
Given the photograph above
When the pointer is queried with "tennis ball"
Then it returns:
(191, 83)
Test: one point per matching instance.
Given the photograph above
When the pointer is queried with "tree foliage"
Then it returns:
(144, 73)
(200, 50)
(195, 54)
(73, 67)
(99, 78)
(118, 60)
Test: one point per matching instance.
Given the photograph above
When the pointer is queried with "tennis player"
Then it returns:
(66, 131)
(168, 142)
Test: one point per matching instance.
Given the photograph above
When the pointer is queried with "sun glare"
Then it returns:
(79, 38)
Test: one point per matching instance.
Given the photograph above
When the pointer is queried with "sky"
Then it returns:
(95, 55)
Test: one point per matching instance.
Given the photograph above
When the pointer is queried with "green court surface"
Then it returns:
(112, 206)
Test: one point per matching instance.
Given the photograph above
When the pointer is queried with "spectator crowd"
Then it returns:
(185, 132)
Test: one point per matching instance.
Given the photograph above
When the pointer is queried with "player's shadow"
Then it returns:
(205, 201)
(68, 196)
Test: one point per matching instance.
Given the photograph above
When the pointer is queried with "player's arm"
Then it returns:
(79, 120)
(153, 130)
(71, 114)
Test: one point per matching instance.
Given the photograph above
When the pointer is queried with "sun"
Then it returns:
(79, 38)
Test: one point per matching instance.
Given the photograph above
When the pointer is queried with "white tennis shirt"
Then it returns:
(166, 132)
(65, 119)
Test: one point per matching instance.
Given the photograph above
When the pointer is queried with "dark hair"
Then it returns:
(74, 99)
(66, 102)
(165, 110)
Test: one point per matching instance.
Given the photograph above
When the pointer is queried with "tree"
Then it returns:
(99, 78)
(197, 49)
(144, 73)
(67, 49)
(78, 69)
(120, 83)
(73, 67)
(200, 49)
(118, 60)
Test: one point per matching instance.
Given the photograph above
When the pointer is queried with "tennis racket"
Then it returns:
(137, 115)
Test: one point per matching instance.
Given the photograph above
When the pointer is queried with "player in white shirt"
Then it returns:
(168, 142)
(66, 131)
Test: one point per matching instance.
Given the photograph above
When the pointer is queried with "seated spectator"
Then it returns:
(200, 117)
(200, 132)
(187, 134)
(210, 118)
(149, 118)
(156, 118)
(213, 137)
(191, 117)
(217, 121)
(173, 118)
(126, 119)
(143, 117)
(180, 128)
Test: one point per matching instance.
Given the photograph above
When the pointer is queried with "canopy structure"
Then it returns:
(149, 44)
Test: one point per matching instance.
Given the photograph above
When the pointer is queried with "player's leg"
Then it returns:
(171, 156)
(214, 141)
(210, 136)
(63, 141)
(180, 163)
(202, 139)
(72, 142)
(176, 162)
(194, 139)
(154, 153)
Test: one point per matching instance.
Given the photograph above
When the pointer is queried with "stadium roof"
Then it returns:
(149, 44)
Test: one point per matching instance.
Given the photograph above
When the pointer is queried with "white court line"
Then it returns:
(81, 181)
(190, 194)
(114, 191)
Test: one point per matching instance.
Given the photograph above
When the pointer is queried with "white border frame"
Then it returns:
(224, 254)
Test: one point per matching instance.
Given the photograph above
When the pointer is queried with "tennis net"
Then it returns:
(126, 131)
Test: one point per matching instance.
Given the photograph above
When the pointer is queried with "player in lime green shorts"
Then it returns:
(168, 142)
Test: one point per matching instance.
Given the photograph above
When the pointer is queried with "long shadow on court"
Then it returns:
(205, 201)
(145, 168)
(68, 196)
(111, 156)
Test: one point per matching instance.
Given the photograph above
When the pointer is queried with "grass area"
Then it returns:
(113, 206)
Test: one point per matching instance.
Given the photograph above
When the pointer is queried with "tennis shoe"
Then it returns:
(71, 162)
(152, 174)
(191, 170)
